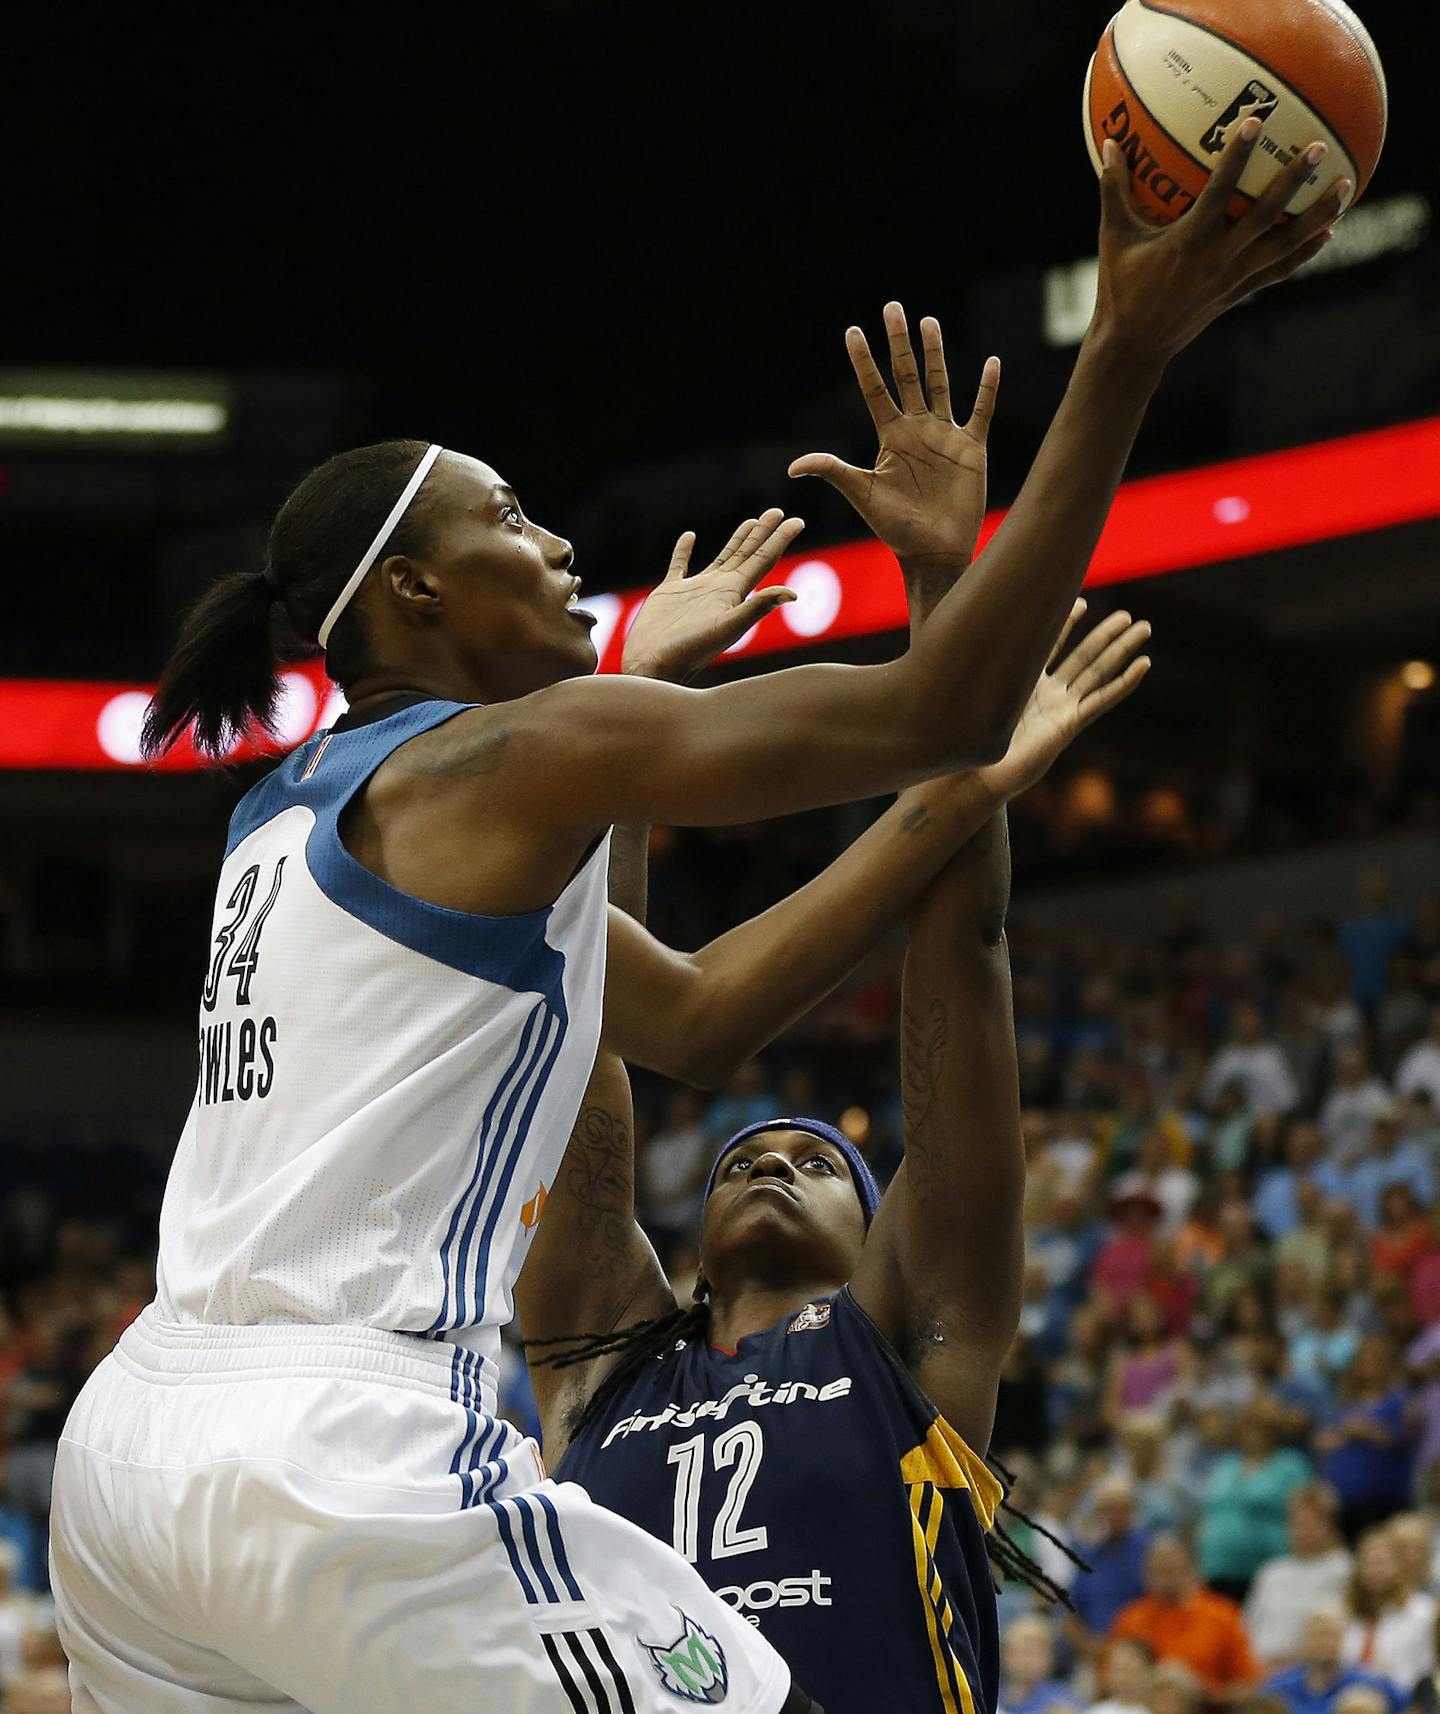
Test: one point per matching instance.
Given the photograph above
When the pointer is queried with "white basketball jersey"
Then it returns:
(385, 1087)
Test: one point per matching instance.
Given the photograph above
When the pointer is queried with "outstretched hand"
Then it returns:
(1161, 285)
(925, 496)
(691, 616)
(1073, 692)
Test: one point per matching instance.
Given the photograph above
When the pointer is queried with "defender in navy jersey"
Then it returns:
(814, 1447)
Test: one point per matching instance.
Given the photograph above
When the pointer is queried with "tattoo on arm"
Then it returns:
(599, 1179)
(914, 818)
(926, 1036)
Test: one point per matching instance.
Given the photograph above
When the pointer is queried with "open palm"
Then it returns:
(689, 618)
(925, 496)
(1073, 691)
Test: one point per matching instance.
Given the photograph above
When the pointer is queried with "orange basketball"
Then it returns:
(1172, 78)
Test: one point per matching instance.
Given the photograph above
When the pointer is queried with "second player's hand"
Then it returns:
(925, 496)
(1161, 285)
(1075, 689)
(690, 617)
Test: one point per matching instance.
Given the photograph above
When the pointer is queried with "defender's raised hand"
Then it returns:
(1075, 689)
(690, 617)
(1161, 285)
(926, 495)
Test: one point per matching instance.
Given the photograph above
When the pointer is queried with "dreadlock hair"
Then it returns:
(662, 1336)
(1011, 1560)
(221, 676)
(638, 1344)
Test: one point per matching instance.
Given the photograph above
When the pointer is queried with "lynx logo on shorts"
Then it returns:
(1255, 101)
(693, 1666)
(812, 1316)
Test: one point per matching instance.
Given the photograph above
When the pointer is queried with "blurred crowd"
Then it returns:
(1225, 1393)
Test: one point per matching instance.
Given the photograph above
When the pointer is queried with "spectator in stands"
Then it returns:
(1117, 1560)
(1419, 1067)
(1425, 1698)
(1404, 1015)
(1146, 1366)
(1277, 1205)
(1392, 1624)
(1127, 1255)
(1076, 1394)
(1066, 1246)
(1413, 1537)
(1164, 1506)
(1313, 1574)
(1027, 1671)
(43, 1684)
(1307, 1244)
(1403, 1235)
(1356, 1096)
(1126, 1677)
(1181, 1620)
(1423, 1360)
(1369, 936)
(1175, 1689)
(1390, 1158)
(1245, 1511)
(673, 1166)
(1365, 1451)
(745, 1100)
(1255, 1061)
(14, 1618)
(1245, 1264)
(1156, 1174)
(1322, 1676)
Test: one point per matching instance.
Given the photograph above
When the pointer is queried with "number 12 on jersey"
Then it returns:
(744, 1447)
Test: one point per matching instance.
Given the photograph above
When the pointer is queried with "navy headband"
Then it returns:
(864, 1180)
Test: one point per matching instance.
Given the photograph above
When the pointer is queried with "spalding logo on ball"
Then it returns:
(1171, 83)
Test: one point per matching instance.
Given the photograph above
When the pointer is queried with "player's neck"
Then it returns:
(754, 1308)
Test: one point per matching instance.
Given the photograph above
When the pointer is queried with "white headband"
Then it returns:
(397, 512)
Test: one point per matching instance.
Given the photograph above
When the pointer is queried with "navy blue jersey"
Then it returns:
(820, 1493)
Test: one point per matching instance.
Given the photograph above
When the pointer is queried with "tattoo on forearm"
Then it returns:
(599, 1179)
(914, 818)
(926, 1036)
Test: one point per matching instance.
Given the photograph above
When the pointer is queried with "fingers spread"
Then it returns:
(740, 535)
(762, 554)
(937, 378)
(1212, 202)
(1113, 658)
(902, 360)
(680, 559)
(1272, 202)
(1103, 700)
(844, 478)
(1077, 613)
(979, 424)
(1117, 205)
(1091, 646)
(883, 409)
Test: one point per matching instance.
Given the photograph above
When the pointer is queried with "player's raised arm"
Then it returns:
(819, 734)
(941, 1270)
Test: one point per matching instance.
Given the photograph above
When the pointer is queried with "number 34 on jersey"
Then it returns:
(237, 1054)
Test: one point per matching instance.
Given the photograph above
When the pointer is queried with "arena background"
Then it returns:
(613, 250)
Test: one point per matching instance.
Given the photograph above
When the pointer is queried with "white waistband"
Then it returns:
(192, 1353)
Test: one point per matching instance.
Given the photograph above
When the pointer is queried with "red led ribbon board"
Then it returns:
(1157, 524)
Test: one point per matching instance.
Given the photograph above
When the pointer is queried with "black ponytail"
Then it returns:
(636, 1345)
(222, 676)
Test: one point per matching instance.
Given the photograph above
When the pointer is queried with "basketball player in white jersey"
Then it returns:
(286, 1488)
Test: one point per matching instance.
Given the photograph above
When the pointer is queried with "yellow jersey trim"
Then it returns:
(944, 1459)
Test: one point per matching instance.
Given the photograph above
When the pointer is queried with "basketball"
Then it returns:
(1171, 83)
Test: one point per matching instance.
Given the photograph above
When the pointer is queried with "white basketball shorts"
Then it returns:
(331, 1519)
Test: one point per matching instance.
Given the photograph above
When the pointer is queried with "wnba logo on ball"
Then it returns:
(1253, 102)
